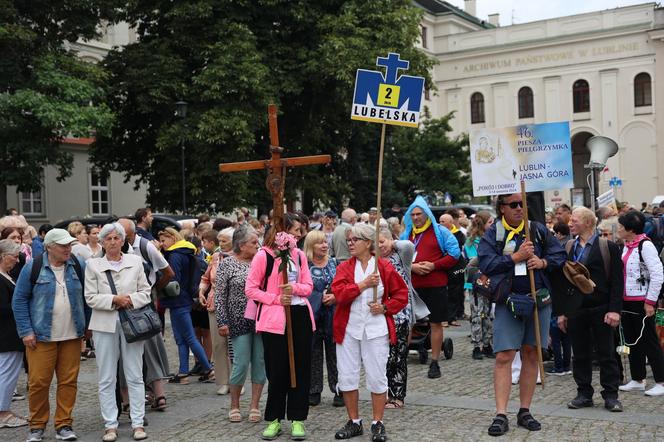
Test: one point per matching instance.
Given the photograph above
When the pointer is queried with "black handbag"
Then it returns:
(138, 324)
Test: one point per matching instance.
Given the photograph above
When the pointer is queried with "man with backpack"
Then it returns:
(51, 318)
(505, 257)
(590, 318)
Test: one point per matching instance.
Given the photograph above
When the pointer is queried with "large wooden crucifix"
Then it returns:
(275, 183)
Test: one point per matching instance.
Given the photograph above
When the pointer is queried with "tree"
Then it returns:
(228, 59)
(47, 93)
(428, 161)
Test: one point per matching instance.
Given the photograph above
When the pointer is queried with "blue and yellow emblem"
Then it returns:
(390, 98)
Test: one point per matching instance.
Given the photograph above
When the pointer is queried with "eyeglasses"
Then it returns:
(605, 234)
(354, 239)
(513, 204)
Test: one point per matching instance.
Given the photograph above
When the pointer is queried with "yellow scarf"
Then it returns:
(454, 230)
(182, 244)
(426, 225)
(513, 231)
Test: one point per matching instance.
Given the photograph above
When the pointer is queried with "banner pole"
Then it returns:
(378, 200)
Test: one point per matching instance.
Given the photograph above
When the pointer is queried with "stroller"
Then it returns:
(421, 341)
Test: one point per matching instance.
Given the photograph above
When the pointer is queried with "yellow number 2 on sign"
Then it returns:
(388, 95)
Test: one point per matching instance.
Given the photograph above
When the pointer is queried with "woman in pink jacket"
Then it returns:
(271, 295)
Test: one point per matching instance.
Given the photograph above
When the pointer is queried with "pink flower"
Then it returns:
(285, 241)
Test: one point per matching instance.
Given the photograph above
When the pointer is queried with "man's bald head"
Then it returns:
(446, 220)
(130, 228)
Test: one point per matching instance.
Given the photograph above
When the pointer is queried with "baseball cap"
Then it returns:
(330, 214)
(58, 236)
(373, 209)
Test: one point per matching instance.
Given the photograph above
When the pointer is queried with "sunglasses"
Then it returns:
(514, 204)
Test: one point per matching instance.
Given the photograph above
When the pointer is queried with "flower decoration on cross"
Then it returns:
(284, 242)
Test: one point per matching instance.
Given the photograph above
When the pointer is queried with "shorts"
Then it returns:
(200, 319)
(372, 353)
(510, 333)
(436, 300)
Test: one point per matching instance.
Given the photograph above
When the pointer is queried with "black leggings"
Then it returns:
(648, 345)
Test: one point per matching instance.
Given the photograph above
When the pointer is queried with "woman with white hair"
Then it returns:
(131, 291)
(364, 328)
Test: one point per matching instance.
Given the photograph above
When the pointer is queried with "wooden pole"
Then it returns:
(289, 335)
(533, 292)
(379, 195)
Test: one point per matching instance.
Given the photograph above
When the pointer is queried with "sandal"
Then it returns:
(527, 421)
(394, 404)
(234, 415)
(208, 377)
(179, 379)
(499, 426)
(255, 415)
(159, 403)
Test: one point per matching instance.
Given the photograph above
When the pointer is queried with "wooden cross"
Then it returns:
(275, 183)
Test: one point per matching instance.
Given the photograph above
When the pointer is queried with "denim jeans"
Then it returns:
(10, 368)
(185, 338)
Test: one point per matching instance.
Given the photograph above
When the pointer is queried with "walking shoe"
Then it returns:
(351, 429)
(17, 397)
(297, 431)
(223, 390)
(657, 390)
(555, 372)
(35, 435)
(65, 433)
(613, 405)
(197, 370)
(110, 435)
(140, 434)
(314, 399)
(477, 353)
(338, 401)
(272, 431)
(434, 370)
(378, 432)
(12, 421)
(580, 402)
(633, 386)
(488, 352)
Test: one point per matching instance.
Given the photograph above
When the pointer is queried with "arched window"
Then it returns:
(642, 90)
(477, 108)
(526, 108)
(581, 96)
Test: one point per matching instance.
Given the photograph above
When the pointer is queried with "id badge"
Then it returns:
(520, 269)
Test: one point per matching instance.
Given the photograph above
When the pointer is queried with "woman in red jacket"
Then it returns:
(363, 329)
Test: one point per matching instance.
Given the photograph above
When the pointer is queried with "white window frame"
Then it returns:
(32, 198)
(96, 186)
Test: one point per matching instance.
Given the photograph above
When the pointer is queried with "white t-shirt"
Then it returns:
(62, 327)
(293, 273)
(361, 321)
(82, 251)
(156, 258)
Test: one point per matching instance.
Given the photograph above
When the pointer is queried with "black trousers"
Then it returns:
(648, 345)
(455, 299)
(580, 328)
(281, 398)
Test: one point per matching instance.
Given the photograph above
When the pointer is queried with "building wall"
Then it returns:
(607, 49)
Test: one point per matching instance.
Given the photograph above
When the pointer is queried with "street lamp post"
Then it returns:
(181, 113)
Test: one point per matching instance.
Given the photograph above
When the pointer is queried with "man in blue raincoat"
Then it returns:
(436, 251)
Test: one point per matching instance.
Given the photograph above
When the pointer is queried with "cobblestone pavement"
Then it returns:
(459, 407)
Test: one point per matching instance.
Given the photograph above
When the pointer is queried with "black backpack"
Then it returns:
(38, 261)
(654, 229)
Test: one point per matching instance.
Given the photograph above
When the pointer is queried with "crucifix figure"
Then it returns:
(275, 183)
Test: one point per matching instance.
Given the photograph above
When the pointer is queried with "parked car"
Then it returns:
(469, 209)
(159, 222)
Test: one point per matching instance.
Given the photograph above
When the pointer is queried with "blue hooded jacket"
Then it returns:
(447, 242)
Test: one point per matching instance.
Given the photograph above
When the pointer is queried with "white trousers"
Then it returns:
(516, 369)
(10, 368)
(372, 353)
(109, 346)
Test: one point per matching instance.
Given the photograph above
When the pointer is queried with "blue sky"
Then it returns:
(531, 10)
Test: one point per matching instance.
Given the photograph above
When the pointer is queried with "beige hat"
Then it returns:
(58, 236)
(579, 276)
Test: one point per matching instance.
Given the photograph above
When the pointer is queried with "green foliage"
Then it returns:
(230, 58)
(47, 93)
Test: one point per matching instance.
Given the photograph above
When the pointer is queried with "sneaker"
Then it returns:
(567, 371)
(314, 399)
(657, 390)
(434, 370)
(338, 401)
(297, 431)
(580, 402)
(488, 352)
(477, 354)
(10, 420)
(272, 431)
(633, 386)
(17, 397)
(65, 433)
(555, 372)
(351, 429)
(223, 390)
(613, 405)
(378, 432)
(35, 435)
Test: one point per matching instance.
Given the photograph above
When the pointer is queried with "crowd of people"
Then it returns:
(337, 295)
